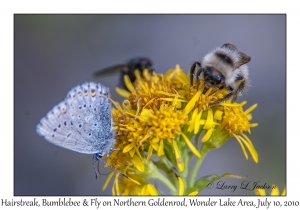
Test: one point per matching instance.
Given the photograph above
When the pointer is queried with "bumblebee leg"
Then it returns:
(217, 89)
(198, 77)
(233, 94)
(192, 71)
(238, 90)
(229, 95)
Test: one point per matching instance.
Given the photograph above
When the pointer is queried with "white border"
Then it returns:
(9, 8)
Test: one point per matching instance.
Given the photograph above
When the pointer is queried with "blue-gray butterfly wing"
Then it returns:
(82, 122)
(90, 111)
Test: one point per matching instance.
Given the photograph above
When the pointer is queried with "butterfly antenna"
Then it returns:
(118, 169)
(97, 171)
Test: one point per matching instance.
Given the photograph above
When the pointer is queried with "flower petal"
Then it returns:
(150, 150)
(247, 139)
(145, 115)
(284, 192)
(250, 109)
(233, 105)
(146, 74)
(191, 103)
(107, 180)
(192, 121)
(218, 115)
(137, 74)
(242, 146)
(144, 190)
(123, 92)
(117, 184)
(169, 73)
(138, 163)
(113, 190)
(129, 84)
(126, 192)
(138, 153)
(132, 152)
(251, 148)
(178, 156)
(180, 75)
(181, 186)
(252, 125)
(148, 135)
(152, 190)
(193, 193)
(198, 122)
(128, 147)
(160, 151)
(209, 120)
(261, 192)
(191, 146)
(136, 182)
(275, 191)
(207, 135)
(249, 117)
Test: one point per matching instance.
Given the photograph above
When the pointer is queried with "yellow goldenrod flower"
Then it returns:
(124, 186)
(159, 117)
(148, 118)
(235, 122)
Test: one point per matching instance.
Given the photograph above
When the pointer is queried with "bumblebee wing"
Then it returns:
(111, 70)
(229, 46)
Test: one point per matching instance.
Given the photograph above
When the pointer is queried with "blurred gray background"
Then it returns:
(53, 53)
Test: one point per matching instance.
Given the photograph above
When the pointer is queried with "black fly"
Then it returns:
(127, 69)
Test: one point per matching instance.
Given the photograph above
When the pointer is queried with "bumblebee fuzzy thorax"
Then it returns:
(223, 67)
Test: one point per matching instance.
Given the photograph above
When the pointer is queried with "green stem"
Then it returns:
(184, 174)
(203, 153)
(169, 153)
(164, 164)
(155, 174)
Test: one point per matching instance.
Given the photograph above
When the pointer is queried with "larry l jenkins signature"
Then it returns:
(246, 185)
